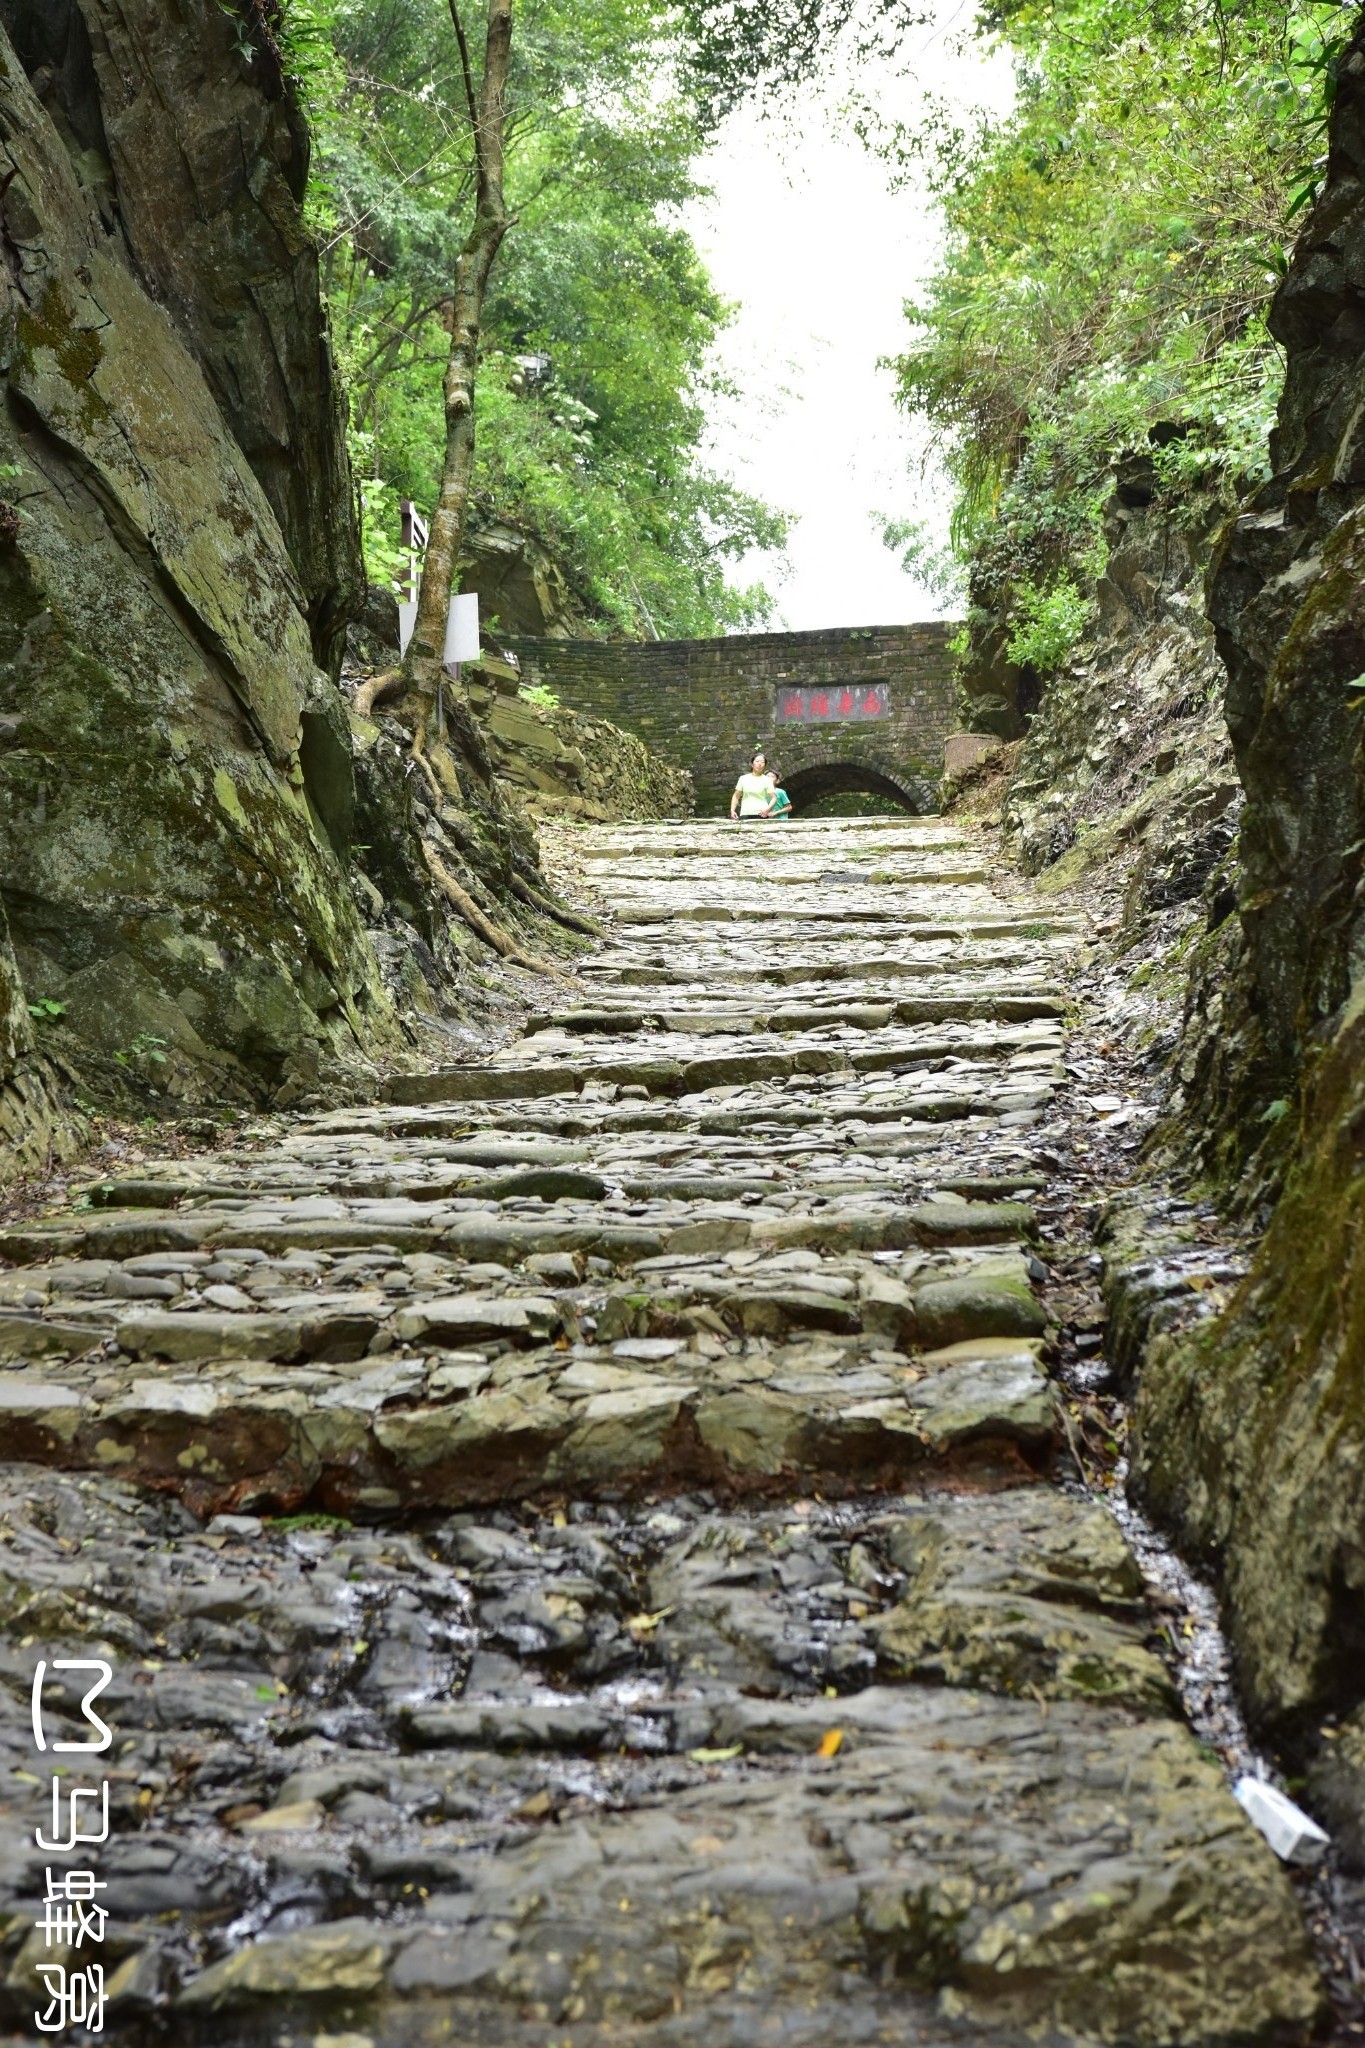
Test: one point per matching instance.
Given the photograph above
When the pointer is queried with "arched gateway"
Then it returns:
(806, 786)
(863, 709)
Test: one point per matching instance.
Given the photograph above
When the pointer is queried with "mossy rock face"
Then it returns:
(16, 1031)
(35, 1126)
(1024, 1593)
(175, 782)
(1251, 1425)
(202, 161)
(563, 764)
(1284, 597)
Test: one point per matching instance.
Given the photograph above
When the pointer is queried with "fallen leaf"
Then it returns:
(831, 1742)
(715, 1756)
(645, 1624)
(303, 1816)
(233, 1816)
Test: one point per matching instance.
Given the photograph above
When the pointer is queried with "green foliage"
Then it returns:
(593, 392)
(294, 37)
(924, 556)
(736, 46)
(47, 1010)
(1046, 624)
(386, 561)
(146, 1046)
(1112, 247)
(539, 693)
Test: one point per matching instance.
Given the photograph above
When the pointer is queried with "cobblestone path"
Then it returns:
(585, 1546)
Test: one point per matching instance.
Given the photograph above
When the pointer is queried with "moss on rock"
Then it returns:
(168, 836)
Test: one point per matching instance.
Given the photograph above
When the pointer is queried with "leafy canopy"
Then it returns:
(592, 399)
(1113, 244)
(735, 48)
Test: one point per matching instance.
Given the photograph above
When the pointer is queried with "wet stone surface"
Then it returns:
(584, 1547)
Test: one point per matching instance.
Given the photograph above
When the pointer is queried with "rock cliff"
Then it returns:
(564, 765)
(1124, 786)
(174, 772)
(1251, 1431)
(196, 162)
(34, 1125)
(214, 886)
(1126, 766)
(1202, 766)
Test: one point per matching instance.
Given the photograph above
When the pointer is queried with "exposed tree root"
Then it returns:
(560, 912)
(374, 690)
(501, 941)
(428, 774)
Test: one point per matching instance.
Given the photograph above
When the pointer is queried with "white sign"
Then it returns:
(462, 629)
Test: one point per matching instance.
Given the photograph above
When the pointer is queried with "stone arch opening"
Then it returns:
(806, 786)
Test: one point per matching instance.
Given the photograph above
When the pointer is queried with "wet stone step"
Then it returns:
(678, 1076)
(585, 1543)
(973, 970)
(453, 1431)
(474, 1851)
(869, 1221)
(780, 916)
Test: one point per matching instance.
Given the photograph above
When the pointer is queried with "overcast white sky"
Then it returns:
(805, 235)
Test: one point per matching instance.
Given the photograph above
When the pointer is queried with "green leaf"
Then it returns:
(595, 388)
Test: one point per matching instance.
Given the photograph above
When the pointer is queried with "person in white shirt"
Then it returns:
(753, 792)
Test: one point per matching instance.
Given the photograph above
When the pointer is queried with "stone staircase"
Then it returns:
(586, 1541)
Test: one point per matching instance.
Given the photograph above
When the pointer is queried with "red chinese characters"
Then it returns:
(819, 704)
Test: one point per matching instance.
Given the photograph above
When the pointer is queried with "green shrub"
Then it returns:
(1045, 625)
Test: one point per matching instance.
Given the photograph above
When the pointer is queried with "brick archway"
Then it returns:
(807, 784)
(704, 705)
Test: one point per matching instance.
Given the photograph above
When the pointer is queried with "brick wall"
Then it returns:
(706, 704)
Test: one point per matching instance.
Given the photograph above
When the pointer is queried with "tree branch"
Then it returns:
(471, 98)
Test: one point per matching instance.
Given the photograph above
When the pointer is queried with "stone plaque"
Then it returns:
(826, 705)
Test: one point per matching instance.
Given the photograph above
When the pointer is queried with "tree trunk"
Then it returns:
(472, 271)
